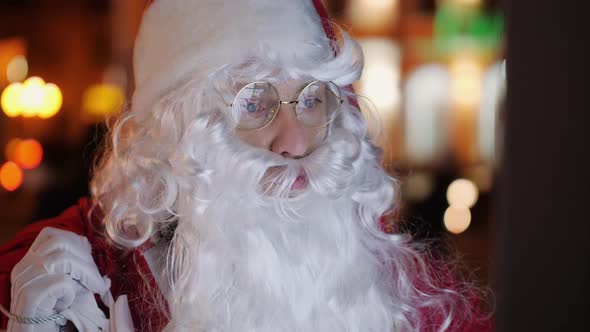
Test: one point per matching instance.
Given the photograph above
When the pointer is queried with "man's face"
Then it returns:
(286, 136)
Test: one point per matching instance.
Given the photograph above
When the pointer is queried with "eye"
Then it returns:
(251, 107)
(311, 102)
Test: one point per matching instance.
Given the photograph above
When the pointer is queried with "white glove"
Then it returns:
(58, 275)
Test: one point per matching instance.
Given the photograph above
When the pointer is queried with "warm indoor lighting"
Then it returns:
(31, 98)
(103, 99)
(372, 14)
(457, 219)
(52, 103)
(466, 76)
(462, 193)
(11, 176)
(17, 69)
(28, 154)
(426, 105)
(380, 81)
(10, 100)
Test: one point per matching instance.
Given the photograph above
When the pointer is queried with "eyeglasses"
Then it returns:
(257, 104)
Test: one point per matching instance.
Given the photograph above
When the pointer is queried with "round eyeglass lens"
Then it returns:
(255, 104)
(318, 104)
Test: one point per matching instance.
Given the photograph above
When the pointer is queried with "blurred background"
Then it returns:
(434, 76)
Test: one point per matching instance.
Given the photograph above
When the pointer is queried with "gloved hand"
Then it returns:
(58, 275)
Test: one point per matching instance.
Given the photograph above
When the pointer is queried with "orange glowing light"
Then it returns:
(11, 176)
(28, 154)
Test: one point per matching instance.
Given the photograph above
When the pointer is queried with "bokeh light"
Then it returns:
(457, 219)
(10, 100)
(28, 153)
(372, 14)
(462, 193)
(11, 176)
(466, 74)
(426, 104)
(31, 98)
(380, 81)
(103, 99)
(17, 69)
(52, 103)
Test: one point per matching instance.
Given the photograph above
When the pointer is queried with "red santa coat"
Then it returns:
(130, 274)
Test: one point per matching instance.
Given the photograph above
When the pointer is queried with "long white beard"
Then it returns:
(252, 262)
(256, 272)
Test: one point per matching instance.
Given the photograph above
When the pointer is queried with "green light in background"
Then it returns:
(459, 27)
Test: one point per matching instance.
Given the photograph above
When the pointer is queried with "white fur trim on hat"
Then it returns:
(182, 39)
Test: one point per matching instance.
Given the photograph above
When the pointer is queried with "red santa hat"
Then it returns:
(187, 39)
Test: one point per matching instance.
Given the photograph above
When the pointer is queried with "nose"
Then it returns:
(290, 138)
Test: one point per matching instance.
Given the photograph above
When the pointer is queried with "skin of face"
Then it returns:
(286, 135)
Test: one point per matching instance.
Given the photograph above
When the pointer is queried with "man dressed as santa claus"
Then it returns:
(240, 191)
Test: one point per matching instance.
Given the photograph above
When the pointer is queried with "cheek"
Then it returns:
(316, 136)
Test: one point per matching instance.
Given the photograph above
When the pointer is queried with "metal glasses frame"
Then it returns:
(277, 108)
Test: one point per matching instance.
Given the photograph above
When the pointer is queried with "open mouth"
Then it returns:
(300, 182)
